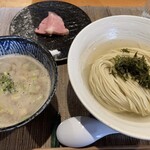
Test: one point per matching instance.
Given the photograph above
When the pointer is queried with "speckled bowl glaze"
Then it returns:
(109, 33)
(23, 46)
(29, 18)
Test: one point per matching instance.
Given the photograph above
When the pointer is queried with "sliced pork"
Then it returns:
(52, 24)
(42, 27)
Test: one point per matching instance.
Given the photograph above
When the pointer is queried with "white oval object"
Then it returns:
(81, 131)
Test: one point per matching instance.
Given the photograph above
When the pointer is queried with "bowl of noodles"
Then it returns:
(109, 69)
(28, 78)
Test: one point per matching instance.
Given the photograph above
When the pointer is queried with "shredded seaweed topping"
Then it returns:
(126, 50)
(6, 83)
(135, 66)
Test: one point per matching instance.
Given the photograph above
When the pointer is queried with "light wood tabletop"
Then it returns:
(38, 133)
(21, 3)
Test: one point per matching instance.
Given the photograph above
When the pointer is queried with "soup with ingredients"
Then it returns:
(24, 88)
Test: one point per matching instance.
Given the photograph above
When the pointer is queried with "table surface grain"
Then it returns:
(19, 3)
(37, 133)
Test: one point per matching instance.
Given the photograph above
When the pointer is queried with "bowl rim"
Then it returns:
(71, 60)
(48, 100)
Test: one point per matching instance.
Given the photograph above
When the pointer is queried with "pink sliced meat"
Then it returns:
(53, 24)
(42, 27)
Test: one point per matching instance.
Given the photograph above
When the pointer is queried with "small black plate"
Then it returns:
(29, 18)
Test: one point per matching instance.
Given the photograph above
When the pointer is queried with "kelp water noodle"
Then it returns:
(120, 80)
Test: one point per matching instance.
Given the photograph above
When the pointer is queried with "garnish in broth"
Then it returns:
(25, 86)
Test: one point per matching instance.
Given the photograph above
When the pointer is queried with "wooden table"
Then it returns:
(18, 3)
(38, 132)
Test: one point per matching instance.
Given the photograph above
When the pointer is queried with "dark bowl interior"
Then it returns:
(29, 18)
(23, 46)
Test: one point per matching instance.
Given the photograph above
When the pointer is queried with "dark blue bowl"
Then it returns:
(23, 46)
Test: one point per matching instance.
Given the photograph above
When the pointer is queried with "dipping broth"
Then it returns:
(24, 88)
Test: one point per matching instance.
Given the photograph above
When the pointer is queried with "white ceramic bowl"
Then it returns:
(109, 32)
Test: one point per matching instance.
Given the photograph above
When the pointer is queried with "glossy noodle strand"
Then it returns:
(113, 92)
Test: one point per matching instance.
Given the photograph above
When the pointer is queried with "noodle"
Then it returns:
(113, 92)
